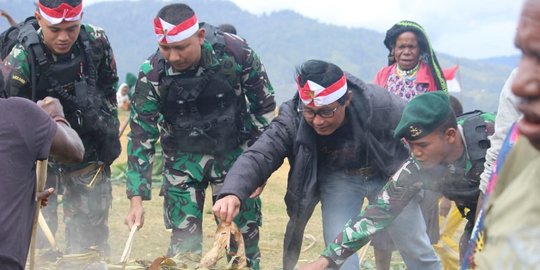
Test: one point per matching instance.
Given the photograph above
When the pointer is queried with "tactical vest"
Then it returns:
(204, 114)
(73, 82)
(69, 81)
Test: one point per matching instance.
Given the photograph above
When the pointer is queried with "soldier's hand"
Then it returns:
(135, 216)
(319, 264)
(52, 106)
(227, 208)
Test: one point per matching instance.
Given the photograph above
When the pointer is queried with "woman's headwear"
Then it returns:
(427, 54)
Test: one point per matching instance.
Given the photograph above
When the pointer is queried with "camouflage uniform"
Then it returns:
(86, 208)
(186, 175)
(404, 185)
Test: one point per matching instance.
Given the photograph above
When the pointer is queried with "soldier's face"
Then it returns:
(527, 82)
(184, 54)
(433, 149)
(59, 38)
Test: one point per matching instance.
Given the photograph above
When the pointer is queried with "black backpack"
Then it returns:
(12, 35)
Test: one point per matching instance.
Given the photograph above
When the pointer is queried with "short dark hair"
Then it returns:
(56, 3)
(318, 71)
(449, 122)
(175, 13)
(456, 106)
(227, 28)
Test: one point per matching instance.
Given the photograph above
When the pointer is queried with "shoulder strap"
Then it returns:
(214, 36)
(29, 39)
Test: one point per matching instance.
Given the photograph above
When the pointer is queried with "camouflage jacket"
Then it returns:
(452, 180)
(146, 121)
(17, 67)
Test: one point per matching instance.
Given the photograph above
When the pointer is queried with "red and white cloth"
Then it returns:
(313, 94)
(169, 33)
(63, 12)
(451, 80)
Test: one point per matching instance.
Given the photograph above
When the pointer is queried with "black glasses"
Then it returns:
(324, 113)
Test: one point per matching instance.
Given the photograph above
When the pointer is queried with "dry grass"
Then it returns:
(152, 240)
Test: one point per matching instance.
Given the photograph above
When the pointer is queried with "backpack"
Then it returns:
(10, 37)
(477, 127)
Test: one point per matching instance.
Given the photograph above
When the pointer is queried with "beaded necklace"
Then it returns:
(408, 74)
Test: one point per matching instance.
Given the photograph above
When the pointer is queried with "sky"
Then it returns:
(464, 28)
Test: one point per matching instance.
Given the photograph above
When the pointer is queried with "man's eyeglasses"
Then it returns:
(324, 113)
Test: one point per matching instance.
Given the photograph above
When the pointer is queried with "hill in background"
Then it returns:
(283, 40)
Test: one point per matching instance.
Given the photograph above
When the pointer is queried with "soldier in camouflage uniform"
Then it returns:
(445, 158)
(210, 99)
(75, 63)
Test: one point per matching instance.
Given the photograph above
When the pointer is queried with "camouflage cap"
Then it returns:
(422, 115)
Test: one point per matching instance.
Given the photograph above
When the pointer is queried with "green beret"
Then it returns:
(422, 115)
(130, 79)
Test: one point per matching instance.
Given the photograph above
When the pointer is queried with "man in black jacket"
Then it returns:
(337, 133)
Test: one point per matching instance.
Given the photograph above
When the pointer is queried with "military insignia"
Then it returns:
(415, 132)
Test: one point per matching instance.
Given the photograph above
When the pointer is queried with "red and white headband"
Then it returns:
(313, 94)
(168, 33)
(63, 12)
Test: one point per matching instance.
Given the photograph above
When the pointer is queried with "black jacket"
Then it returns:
(374, 113)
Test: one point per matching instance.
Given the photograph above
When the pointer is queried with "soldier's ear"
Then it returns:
(39, 19)
(200, 35)
(450, 135)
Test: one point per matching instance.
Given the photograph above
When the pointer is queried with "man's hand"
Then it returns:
(226, 208)
(135, 216)
(52, 106)
(44, 196)
(258, 191)
(319, 264)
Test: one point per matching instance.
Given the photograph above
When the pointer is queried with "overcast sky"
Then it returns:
(464, 28)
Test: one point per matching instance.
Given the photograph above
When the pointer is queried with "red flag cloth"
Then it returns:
(451, 80)
(450, 73)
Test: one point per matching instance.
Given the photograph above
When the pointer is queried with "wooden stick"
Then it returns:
(123, 127)
(47, 231)
(127, 248)
(41, 178)
(363, 252)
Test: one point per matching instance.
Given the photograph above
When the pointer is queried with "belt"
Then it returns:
(365, 171)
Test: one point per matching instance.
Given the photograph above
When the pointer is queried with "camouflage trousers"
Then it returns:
(86, 209)
(182, 212)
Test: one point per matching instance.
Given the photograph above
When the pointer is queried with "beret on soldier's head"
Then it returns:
(422, 115)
